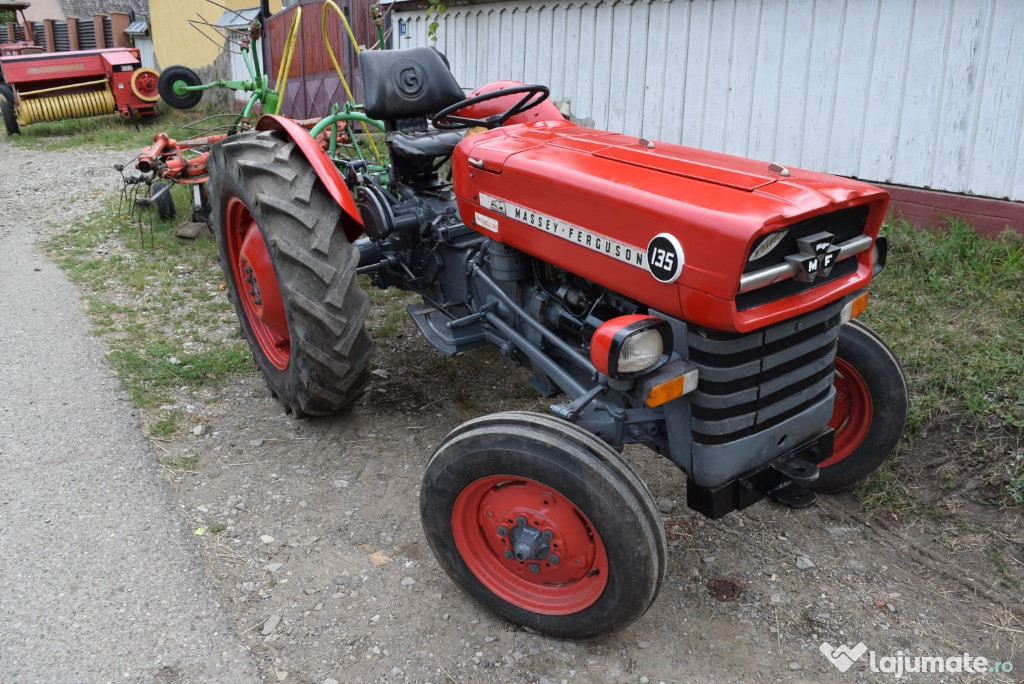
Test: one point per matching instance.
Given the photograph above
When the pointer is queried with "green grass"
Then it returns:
(110, 131)
(159, 307)
(165, 426)
(950, 305)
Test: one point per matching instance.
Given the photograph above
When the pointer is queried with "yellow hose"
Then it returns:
(61, 107)
(286, 63)
(334, 60)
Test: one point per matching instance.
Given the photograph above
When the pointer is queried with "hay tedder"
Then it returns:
(344, 134)
(695, 303)
(71, 85)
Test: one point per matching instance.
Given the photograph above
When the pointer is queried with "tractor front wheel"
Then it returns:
(291, 272)
(544, 524)
(870, 408)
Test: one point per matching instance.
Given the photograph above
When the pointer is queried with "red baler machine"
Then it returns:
(69, 85)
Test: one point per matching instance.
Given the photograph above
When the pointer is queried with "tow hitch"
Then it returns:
(783, 480)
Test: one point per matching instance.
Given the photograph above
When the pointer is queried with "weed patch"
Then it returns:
(159, 306)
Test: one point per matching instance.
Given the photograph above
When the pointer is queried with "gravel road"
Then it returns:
(99, 578)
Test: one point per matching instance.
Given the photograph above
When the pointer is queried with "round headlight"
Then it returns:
(629, 345)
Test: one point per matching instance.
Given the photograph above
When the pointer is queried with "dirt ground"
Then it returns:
(323, 537)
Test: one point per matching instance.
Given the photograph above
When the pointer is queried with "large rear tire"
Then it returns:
(870, 410)
(291, 272)
(544, 524)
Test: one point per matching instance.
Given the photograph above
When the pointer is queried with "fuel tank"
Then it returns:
(725, 242)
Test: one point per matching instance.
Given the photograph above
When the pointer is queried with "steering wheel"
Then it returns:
(445, 120)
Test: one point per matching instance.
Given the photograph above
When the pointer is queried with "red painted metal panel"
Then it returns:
(596, 215)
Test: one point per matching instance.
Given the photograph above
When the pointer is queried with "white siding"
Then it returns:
(928, 93)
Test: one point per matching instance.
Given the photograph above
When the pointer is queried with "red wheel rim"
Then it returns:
(851, 415)
(487, 521)
(256, 283)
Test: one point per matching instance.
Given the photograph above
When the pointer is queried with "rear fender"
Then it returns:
(324, 168)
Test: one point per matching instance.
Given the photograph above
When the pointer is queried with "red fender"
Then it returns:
(323, 166)
(545, 111)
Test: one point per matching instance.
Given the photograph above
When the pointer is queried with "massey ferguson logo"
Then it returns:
(816, 258)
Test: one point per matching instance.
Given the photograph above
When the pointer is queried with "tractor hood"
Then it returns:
(673, 227)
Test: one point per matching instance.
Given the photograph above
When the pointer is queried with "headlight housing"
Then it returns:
(627, 346)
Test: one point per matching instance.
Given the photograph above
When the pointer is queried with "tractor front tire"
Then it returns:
(10, 119)
(174, 75)
(7, 93)
(870, 409)
(291, 272)
(544, 524)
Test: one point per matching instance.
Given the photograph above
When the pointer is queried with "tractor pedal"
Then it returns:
(792, 495)
(796, 469)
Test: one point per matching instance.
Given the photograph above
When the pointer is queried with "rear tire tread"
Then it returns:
(330, 347)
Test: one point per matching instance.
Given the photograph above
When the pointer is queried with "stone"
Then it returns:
(665, 505)
(271, 624)
(266, 539)
(199, 430)
(408, 581)
(804, 563)
(255, 442)
(190, 230)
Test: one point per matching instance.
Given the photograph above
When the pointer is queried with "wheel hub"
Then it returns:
(529, 544)
(254, 286)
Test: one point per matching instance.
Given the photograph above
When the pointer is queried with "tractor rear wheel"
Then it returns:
(7, 93)
(544, 524)
(10, 119)
(291, 272)
(870, 409)
(179, 76)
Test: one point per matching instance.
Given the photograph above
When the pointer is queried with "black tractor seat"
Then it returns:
(424, 144)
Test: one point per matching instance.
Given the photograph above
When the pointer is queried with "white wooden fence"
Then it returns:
(926, 93)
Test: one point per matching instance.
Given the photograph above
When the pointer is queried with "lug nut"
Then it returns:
(508, 554)
(534, 568)
(502, 531)
(553, 559)
(547, 535)
(521, 520)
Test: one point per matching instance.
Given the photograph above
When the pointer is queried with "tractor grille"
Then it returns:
(844, 224)
(750, 382)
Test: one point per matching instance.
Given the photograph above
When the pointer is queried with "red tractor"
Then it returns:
(697, 303)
